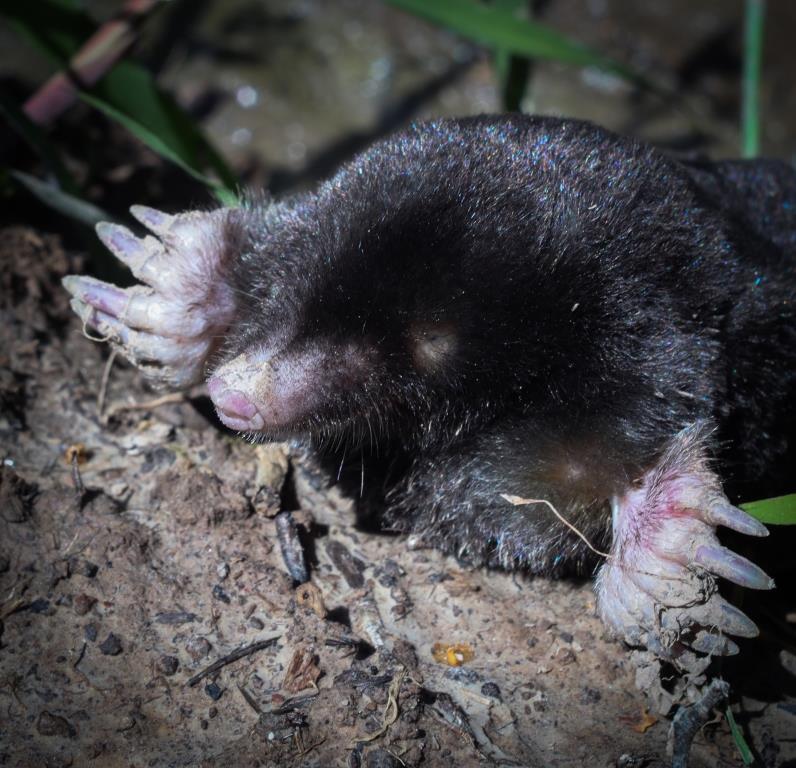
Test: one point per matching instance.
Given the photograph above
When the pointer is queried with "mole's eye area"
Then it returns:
(432, 346)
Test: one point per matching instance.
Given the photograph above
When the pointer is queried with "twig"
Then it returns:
(239, 653)
(80, 656)
(146, 405)
(80, 489)
(249, 700)
(689, 720)
(106, 373)
(518, 501)
(290, 547)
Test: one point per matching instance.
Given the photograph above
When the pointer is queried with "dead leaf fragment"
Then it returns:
(302, 671)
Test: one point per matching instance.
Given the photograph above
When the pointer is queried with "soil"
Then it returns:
(139, 546)
(150, 606)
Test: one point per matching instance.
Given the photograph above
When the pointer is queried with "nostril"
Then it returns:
(234, 407)
(235, 403)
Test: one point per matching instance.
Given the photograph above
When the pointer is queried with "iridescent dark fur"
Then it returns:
(592, 296)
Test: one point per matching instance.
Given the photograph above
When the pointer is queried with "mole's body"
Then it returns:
(521, 306)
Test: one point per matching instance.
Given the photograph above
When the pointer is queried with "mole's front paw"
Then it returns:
(658, 587)
(171, 324)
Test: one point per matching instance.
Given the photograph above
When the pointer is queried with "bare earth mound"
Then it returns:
(139, 548)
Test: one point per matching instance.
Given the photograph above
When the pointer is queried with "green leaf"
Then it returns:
(740, 741)
(56, 27)
(501, 30)
(752, 58)
(780, 510)
(63, 202)
(131, 90)
(128, 93)
(156, 142)
(36, 139)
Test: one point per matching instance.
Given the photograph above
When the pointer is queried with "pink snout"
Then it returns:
(234, 409)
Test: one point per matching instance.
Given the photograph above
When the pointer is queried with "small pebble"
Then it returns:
(220, 594)
(381, 758)
(49, 724)
(82, 604)
(90, 632)
(111, 645)
(168, 665)
(492, 690)
(567, 637)
(203, 724)
(175, 617)
(197, 647)
(255, 623)
(222, 571)
(214, 691)
(212, 712)
(39, 606)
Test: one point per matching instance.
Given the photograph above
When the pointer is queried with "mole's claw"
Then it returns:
(121, 242)
(718, 614)
(725, 563)
(103, 296)
(659, 581)
(723, 513)
(106, 324)
(155, 221)
(139, 255)
(716, 645)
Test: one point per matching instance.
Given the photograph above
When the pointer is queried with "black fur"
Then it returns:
(591, 297)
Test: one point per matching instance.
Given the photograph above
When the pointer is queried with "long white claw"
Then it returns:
(136, 253)
(718, 614)
(721, 512)
(716, 645)
(725, 563)
(155, 221)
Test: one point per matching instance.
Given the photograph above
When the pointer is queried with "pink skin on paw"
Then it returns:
(170, 325)
(658, 587)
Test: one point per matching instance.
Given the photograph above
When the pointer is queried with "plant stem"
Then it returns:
(753, 54)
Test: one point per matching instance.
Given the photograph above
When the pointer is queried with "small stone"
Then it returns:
(203, 724)
(590, 696)
(90, 632)
(212, 712)
(566, 656)
(83, 603)
(222, 571)
(111, 645)
(220, 594)
(49, 724)
(168, 665)
(39, 606)
(381, 758)
(567, 637)
(255, 623)
(175, 617)
(492, 690)
(197, 647)
(214, 691)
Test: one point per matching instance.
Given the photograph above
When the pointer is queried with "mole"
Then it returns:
(541, 346)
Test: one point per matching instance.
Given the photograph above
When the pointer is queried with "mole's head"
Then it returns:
(402, 296)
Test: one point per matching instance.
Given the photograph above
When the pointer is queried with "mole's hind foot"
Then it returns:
(170, 325)
(658, 587)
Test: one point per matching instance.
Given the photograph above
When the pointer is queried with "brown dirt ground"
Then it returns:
(113, 598)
